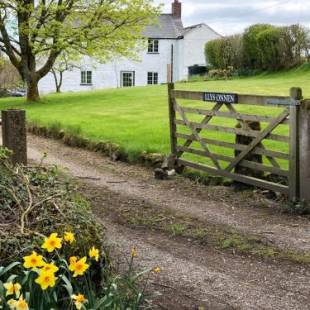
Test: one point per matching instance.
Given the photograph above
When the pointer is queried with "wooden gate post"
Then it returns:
(304, 150)
(173, 127)
(14, 135)
(294, 167)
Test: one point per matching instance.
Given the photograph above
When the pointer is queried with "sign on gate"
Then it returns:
(220, 97)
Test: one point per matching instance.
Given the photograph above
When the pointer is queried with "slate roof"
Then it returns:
(188, 29)
(168, 27)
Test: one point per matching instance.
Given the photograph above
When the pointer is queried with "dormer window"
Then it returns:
(153, 46)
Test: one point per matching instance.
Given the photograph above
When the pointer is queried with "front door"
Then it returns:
(128, 78)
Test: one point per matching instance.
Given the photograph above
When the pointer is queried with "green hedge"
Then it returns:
(260, 47)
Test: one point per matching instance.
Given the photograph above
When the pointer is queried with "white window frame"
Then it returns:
(152, 78)
(133, 78)
(86, 77)
(153, 46)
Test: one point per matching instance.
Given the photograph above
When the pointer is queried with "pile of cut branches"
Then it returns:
(34, 202)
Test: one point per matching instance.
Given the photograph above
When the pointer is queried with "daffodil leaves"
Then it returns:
(4, 270)
(67, 285)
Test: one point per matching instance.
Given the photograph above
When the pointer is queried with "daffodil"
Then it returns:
(21, 304)
(46, 279)
(79, 300)
(50, 267)
(79, 267)
(33, 261)
(69, 237)
(94, 253)
(72, 262)
(157, 270)
(134, 252)
(52, 243)
(11, 303)
(12, 289)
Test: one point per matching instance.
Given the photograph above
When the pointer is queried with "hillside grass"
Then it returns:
(137, 118)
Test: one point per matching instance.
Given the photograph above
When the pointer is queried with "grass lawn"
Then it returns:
(137, 118)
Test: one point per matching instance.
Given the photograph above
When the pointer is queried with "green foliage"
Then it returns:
(251, 47)
(271, 47)
(225, 52)
(49, 282)
(260, 47)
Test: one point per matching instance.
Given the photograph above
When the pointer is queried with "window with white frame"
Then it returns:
(153, 46)
(86, 77)
(152, 78)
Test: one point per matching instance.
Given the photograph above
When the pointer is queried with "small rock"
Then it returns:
(160, 174)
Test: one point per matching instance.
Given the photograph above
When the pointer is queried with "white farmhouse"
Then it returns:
(173, 53)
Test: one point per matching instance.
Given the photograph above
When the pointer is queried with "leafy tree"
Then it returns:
(296, 38)
(212, 51)
(251, 48)
(33, 33)
(225, 52)
(271, 48)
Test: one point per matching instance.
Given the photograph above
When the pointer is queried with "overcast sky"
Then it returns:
(232, 16)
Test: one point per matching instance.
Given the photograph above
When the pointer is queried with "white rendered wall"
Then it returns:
(109, 75)
(194, 46)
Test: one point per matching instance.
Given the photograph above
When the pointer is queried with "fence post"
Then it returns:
(304, 150)
(173, 128)
(14, 135)
(294, 164)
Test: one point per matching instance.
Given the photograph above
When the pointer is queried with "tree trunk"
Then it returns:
(32, 91)
(60, 81)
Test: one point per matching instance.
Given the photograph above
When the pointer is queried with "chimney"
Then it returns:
(177, 9)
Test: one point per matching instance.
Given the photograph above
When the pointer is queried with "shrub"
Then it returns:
(225, 52)
(251, 47)
(221, 73)
(271, 48)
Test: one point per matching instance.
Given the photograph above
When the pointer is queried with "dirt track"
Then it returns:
(193, 275)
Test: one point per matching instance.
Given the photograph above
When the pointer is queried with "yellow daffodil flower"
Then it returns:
(12, 289)
(33, 261)
(50, 267)
(79, 267)
(46, 279)
(52, 243)
(134, 252)
(69, 237)
(72, 261)
(21, 304)
(157, 270)
(94, 253)
(11, 303)
(79, 300)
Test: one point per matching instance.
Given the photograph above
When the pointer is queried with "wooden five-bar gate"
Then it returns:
(199, 138)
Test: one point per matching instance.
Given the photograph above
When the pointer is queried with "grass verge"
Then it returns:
(142, 216)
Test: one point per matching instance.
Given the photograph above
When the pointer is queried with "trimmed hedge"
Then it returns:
(261, 47)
